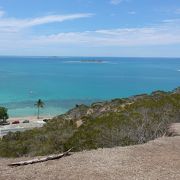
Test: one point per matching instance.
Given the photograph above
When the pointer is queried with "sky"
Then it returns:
(125, 28)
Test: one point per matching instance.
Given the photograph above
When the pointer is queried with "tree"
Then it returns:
(39, 104)
(3, 114)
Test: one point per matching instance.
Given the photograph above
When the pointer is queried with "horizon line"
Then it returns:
(61, 56)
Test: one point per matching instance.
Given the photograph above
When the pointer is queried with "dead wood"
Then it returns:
(39, 160)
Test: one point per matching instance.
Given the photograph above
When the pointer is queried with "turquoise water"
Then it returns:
(63, 82)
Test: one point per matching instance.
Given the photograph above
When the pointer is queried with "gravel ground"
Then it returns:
(158, 159)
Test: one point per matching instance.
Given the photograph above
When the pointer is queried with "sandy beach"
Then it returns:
(30, 118)
(34, 122)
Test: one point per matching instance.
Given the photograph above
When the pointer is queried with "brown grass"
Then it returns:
(158, 159)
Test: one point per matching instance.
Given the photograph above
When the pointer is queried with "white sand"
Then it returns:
(30, 118)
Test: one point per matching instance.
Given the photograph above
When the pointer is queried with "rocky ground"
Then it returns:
(158, 159)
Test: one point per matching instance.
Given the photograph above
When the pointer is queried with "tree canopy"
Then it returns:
(3, 113)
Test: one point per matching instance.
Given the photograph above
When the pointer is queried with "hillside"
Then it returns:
(120, 122)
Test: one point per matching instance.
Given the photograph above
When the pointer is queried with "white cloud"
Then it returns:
(132, 12)
(14, 24)
(177, 11)
(14, 37)
(114, 37)
(172, 22)
(2, 13)
(162, 34)
(116, 2)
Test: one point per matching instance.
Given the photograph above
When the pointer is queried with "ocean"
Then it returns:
(63, 82)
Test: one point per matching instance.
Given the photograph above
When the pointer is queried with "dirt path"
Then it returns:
(158, 159)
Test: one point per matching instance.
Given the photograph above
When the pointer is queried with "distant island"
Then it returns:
(92, 61)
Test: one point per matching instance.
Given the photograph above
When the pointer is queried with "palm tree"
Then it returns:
(39, 104)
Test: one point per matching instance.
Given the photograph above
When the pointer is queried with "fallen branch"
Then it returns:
(39, 160)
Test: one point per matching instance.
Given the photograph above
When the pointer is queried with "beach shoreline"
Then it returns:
(30, 118)
(22, 124)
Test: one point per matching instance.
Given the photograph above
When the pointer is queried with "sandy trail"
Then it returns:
(158, 159)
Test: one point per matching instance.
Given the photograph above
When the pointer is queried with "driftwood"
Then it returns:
(39, 160)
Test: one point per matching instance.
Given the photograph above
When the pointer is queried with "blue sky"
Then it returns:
(90, 27)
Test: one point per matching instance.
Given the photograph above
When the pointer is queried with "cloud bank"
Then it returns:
(162, 34)
(15, 34)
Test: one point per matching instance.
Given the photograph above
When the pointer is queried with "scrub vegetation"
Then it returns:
(120, 122)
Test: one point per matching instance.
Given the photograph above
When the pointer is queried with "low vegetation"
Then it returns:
(120, 122)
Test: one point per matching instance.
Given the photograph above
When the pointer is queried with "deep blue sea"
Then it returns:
(62, 82)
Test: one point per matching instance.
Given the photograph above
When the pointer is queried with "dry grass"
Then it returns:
(158, 159)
